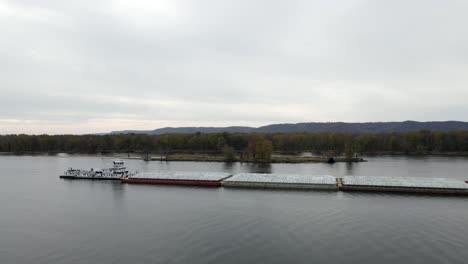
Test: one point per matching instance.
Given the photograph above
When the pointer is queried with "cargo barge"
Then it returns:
(404, 185)
(281, 181)
(275, 181)
(209, 179)
(110, 174)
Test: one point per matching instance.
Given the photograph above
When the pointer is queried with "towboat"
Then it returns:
(114, 173)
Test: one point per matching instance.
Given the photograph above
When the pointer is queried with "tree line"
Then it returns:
(419, 142)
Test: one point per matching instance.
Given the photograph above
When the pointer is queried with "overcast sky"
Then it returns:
(96, 66)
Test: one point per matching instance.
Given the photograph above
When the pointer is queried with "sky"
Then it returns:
(98, 66)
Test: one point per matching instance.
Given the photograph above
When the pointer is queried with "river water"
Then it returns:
(44, 219)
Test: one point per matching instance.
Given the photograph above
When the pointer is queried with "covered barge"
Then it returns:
(281, 181)
(403, 184)
(212, 179)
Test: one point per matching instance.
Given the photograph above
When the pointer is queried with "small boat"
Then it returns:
(466, 181)
(114, 173)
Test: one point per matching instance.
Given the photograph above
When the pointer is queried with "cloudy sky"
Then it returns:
(95, 66)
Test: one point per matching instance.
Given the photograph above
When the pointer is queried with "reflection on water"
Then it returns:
(349, 168)
(228, 166)
(118, 193)
(258, 167)
(48, 220)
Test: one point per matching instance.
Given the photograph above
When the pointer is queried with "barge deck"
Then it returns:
(404, 184)
(281, 181)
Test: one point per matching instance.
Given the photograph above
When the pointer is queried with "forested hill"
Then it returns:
(337, 127)
(189, 130)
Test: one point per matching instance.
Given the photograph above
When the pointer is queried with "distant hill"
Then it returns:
(337, 127)
(189, 130)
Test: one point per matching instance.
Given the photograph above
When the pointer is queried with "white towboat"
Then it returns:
(114, 173)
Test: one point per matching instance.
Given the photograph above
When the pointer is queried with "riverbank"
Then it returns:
(274, 159)
(278, 157)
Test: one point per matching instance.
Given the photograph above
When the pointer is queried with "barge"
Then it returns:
(281, 181)
(403, 184)
(275, 181)
(113, 174)
(210, 179)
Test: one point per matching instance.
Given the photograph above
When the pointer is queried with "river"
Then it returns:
(44, 219)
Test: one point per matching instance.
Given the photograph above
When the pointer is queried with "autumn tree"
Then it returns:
(263, 150)
(229, 153)
(259, 149)
(349, 151)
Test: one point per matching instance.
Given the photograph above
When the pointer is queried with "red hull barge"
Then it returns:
(171, 182)
(209, 179)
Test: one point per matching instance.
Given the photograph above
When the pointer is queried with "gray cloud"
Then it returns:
(95, 66)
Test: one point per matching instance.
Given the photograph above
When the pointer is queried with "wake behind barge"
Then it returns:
(114, 173)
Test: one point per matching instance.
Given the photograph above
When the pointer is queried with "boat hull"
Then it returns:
(171, 182)
(68, 177)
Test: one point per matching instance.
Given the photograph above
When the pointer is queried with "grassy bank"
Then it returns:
(275, 159)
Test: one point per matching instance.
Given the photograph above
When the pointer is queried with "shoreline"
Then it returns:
(278, 157)
(274, 159)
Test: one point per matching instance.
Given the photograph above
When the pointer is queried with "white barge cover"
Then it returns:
(183, 175)
(280, 181)
(405, 182)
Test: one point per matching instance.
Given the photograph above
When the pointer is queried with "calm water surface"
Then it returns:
(44, 219)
